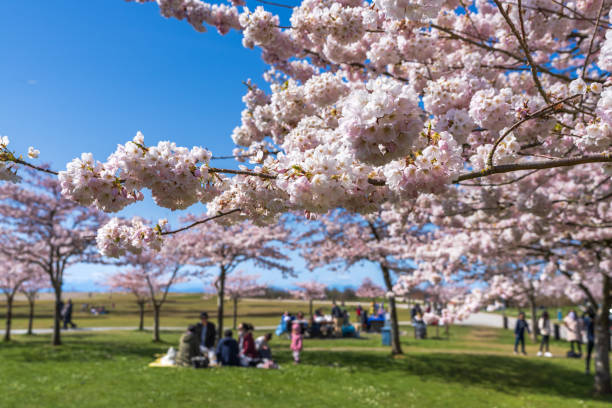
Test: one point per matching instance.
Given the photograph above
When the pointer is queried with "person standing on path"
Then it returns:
(544, 327)
(67, 315)
(338, 317)
(589, 326)
(519, 333)
(297, 338)
(572, 324)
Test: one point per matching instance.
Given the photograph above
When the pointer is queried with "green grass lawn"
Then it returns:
(179, 310)
(473, 367)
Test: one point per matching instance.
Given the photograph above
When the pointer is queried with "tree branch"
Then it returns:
(507, 168)
(201, 222)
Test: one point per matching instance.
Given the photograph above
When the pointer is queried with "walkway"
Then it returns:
(476, 319)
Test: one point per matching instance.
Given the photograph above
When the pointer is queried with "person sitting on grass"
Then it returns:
(227, 350)
(519, 333)
(248, 352)
(263, 347)
(189, 347)
(265, 353)
(206, 333)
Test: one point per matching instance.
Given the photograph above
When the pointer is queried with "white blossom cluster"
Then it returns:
(382, 121)
(411, 9)
(431, 170)
(322, 20)
(506, 152)
(177, 177)
(118, 237)
(6, 169)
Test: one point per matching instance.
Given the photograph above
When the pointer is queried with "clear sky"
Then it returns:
(83, 76)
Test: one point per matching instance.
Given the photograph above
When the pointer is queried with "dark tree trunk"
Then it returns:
(235, 312)
(57, 337)
(396, 347)
(141, 305)
(220, 296)
(602, 341)
(310, 307)
(534, 320)
(156, 310)
(31, 316)
(9, 317)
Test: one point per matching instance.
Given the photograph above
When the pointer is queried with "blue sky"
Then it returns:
(83, 76)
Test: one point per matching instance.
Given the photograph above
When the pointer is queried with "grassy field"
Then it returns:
(473, 367)
(179, 310)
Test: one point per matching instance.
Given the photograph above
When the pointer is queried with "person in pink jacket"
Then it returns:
(297, 338)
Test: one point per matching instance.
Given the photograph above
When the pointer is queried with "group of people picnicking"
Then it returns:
(197, 347)
(578, 328)
(336, 324)
(319, 325)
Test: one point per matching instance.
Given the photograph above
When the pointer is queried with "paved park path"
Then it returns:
(476, 319)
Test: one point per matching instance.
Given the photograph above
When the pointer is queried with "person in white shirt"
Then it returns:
(544, 328)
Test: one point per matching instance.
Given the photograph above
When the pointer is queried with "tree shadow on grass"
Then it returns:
(504, 374)
(83, 347)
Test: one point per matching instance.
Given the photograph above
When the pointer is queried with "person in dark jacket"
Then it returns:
(519, 333)
(206, 332)
(227, 350)
(589, 324)
(67, 315)
(189, 347)
(338, 317)
(416, 310)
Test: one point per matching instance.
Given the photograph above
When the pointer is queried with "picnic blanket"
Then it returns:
(159, 363)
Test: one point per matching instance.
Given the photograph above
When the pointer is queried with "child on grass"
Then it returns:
(519, 333)
(297, 338)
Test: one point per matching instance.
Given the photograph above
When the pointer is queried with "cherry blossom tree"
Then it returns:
(396, 101)
(36, 282)
(344, 239)
(369, 289)
(13, 275)
(239, 285)
(378, 102)
(558, 219)
(132, 281)
(154, 273)
(309, 291)
(39, 227)
(226, 247)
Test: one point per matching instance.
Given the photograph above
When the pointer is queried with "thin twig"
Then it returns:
(241, 172)
(586, 60)
(25, 163)
(499, 184)
(523, 44)
(271, 3)
(541, 112)
(201, 222)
